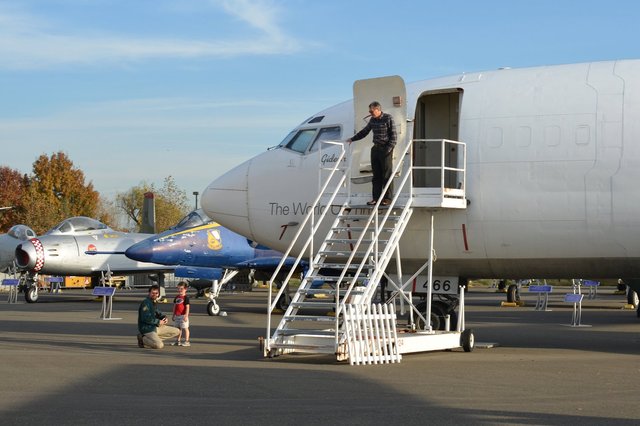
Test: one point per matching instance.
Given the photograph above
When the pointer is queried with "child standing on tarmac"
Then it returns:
(181, 314)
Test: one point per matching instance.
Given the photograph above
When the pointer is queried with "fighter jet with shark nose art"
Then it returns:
(80, 246)
(201, 249)
(9, 241)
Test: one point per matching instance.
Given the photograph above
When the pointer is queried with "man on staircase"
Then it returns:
(384, 140)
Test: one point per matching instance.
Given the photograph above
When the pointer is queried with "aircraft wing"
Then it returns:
(267, 263)
(198, 272)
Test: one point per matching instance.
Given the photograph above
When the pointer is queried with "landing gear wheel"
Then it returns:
(632, 298)
(512, 293)
(31, 295)
(467, 340)
(438, 314)
(213, 309)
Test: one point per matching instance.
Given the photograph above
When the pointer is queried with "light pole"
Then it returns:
(196, 194)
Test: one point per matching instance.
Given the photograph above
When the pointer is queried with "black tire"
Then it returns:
(632, 298)
(213, 309)
(31, 295)
(467, 340)
(512, 293)
(284, 301)
(438, 314)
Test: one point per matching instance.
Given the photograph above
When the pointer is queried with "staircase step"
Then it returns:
(314, 305)
(353, 241)
(298, 331)
(328, 349)
(340, 253)
(314, 318)
(342, 266)
(325, 291)
(359, 217)
(332, 278)
(338, 229)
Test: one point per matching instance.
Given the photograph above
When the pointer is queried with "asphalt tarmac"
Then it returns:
(61, 364)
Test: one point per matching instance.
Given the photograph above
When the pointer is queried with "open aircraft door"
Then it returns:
(392, 95)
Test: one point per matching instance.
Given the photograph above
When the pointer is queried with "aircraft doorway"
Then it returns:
(437, 117)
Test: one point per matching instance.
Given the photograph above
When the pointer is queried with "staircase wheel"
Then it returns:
(467, 340)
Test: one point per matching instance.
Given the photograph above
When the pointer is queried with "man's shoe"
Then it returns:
(140, 342)
(372, 202)
(386, 202)
(176, 344)
(186, 343)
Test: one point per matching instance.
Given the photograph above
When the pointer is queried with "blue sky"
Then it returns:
(136, 90)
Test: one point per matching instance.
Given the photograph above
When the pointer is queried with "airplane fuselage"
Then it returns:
(553, 160)
(209, 246)
(68, 251)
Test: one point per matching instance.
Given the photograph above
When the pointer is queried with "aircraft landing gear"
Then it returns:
(513, 293)
(213, 308)
(31, 294)
(283, 301)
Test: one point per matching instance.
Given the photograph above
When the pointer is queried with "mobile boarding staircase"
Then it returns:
(352, 259)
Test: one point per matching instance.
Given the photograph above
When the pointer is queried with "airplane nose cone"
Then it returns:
(141, 252)
(30, 255)
(226, 199)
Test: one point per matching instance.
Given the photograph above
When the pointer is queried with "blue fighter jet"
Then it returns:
(206, 252)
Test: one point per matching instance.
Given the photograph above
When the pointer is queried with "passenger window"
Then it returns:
(302, 140)
(326, 134)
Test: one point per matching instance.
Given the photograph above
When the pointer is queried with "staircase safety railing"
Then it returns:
(313, 227)
(374, 226)
(372, 258)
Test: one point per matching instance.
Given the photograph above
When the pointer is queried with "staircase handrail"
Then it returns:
(378, 230)
(313, 229)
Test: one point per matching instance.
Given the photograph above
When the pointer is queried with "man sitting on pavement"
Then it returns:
(152, 324)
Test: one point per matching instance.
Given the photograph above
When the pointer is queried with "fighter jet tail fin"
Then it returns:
(148, 223)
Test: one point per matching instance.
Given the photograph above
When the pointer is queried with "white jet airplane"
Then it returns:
(9, 241)
(549, 175)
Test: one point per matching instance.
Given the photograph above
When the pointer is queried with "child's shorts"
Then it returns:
(181, 322)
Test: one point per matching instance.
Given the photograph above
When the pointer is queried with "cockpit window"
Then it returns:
(21, 232)
(302, 140)
(77, 224)
(326, 134)
(309, 139)
(193, 219)
(287, 139)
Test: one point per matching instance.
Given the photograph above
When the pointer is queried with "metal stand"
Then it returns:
(576, 299)
(12, 283)
(55, 284)
(543, 296)
(593, 288)
(106, 292)
(107, 301)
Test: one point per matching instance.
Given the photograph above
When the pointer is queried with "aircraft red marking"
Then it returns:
(464, 236)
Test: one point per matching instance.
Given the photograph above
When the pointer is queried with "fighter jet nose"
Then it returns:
(141, 252)
(225, 200)
(30, 255)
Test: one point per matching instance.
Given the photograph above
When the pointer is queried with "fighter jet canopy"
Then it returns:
(195, 218)
(77, 224)
(21, 232)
